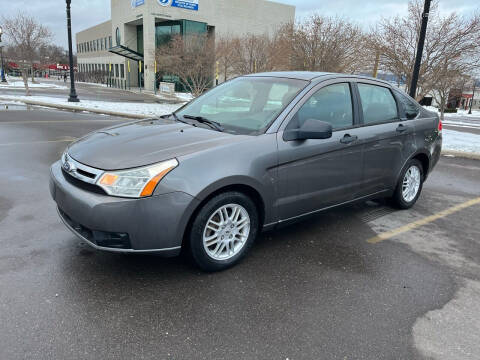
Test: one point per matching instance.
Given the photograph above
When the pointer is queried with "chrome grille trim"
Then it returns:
(71, 167)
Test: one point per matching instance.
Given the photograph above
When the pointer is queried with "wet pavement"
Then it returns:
(314, 290)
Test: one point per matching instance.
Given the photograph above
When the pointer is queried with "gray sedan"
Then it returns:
(248, 155)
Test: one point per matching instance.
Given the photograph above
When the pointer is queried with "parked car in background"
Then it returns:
(250, 154)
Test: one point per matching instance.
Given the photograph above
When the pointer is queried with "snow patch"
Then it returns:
(121, 107)
(461, 141)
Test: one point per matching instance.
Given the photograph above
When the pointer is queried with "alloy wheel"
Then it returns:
(226, 232)
(411, 183)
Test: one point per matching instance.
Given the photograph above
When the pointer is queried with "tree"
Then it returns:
(446, 77)
(52, 54)
(26, 36)
(190, 58)
(225, 51)
(251, 54)
(451, 46)
(323, 43)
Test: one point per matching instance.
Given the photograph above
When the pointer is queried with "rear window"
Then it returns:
(410, 106)
(378, 104)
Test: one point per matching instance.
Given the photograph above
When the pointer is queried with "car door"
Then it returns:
(386, 135)
(318, 173)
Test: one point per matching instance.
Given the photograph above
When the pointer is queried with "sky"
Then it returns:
(87, 13)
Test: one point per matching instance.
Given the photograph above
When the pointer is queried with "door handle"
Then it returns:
(347, 139)
(401, 128)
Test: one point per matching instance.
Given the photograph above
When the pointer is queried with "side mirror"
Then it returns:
(311, 129)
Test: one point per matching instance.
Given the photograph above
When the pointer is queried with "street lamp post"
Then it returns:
(4, 80)
(473, 96)
(73, 94)
(421, 43)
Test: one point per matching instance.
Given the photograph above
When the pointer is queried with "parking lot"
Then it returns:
(359, 282)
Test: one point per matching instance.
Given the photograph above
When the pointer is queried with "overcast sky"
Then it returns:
(86, 13)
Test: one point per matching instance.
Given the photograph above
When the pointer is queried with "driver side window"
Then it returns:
(332, 104)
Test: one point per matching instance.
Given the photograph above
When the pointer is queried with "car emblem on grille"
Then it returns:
(68, 166)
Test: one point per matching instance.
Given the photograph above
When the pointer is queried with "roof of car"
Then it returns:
(301, 75)
(310, 75)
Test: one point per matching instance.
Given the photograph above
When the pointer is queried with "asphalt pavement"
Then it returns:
(325, 288)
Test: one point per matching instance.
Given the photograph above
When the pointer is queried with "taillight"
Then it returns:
(440, 125)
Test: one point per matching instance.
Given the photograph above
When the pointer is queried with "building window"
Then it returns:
(109, 41)
(116, 70)
(122, 71)
(165, 31)
(140, 39)
(118, 38)
(106, 46)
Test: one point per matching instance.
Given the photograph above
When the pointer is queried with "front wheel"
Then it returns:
(409, 185)
(223, 231)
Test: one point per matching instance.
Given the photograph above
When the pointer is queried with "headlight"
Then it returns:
(135, 183)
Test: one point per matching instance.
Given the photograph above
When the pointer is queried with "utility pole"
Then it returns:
(4, 80)
(473, 96)
(73, 94)
(421, 43)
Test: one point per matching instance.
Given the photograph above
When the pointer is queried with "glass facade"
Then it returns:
(140, 39)
(165, 31)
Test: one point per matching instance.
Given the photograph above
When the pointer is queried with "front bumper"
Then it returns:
(155, 224)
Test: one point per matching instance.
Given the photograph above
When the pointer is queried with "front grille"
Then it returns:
(83, 185)
(100, 238)
(86, 174)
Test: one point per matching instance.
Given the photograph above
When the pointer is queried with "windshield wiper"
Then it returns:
(178, 119)
(213, 124)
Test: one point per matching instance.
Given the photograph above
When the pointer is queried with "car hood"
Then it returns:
(145, 142)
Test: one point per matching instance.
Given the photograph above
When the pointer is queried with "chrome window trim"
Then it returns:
(70, 166)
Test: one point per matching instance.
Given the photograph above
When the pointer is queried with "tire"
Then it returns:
(218, 241)
(402, 199)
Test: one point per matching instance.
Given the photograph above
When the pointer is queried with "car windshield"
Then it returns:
(246, 105)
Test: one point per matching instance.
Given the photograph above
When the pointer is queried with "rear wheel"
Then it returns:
(409, 185)
(223, 231)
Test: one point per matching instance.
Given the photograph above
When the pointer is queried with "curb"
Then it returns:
(77, 109)
(461, 154)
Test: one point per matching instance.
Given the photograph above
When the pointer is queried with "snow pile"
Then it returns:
(464, 113)
(460, 112)
(184, 96)
(461, 141)
(17, 83)
(133, 108)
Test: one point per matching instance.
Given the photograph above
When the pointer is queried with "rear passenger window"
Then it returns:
(378, 104)
(332, 104)
(410, 106)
